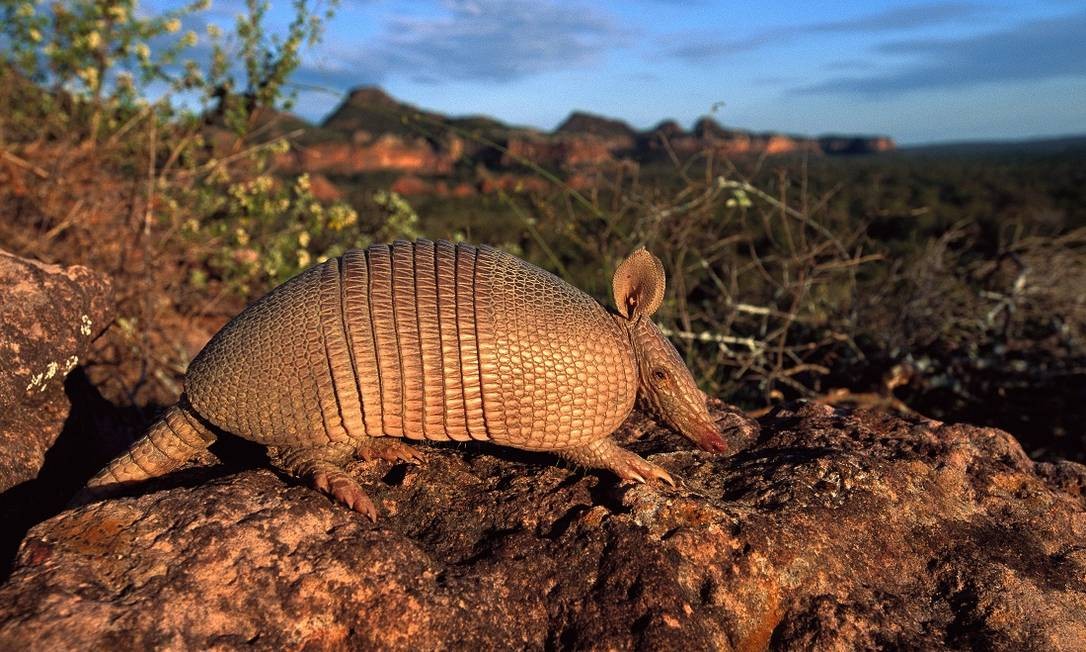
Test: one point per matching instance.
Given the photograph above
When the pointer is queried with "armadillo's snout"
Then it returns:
(710, 440)
(741, 431)
(698, 426)
(689, 417)
(669, 390)
(692, 419)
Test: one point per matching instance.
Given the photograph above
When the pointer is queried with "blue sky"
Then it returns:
(919, 71)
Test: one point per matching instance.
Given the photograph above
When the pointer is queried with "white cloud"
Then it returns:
(489, 40)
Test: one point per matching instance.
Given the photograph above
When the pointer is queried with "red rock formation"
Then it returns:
(461, 190)
(833, 530)
(410, 185)
(386, 152)
(378, 133)
(514, 183)
(615, 135)
(557, 152)
(777, 144)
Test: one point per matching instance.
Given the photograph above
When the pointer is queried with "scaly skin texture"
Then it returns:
(434, 341)
(176, 437)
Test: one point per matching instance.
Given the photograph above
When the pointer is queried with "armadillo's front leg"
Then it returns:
(387, 448)
(606, 454)
(322, 468)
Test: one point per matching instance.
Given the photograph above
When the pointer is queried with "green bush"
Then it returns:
(266, 231)
(153, 188)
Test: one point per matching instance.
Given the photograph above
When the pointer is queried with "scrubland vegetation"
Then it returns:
(942, 283)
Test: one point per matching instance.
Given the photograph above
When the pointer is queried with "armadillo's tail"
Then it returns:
(170, 442)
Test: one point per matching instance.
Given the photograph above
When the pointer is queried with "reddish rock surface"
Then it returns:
(386, 152)
(410, 186)
(561, 152)
(372, 132)
(833, 530)
(48, 317)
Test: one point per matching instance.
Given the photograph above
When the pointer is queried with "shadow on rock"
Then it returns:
(93, 433)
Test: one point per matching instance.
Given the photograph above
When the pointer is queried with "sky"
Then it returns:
(919, 71)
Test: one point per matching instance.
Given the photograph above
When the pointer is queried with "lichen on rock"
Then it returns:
(47, 322)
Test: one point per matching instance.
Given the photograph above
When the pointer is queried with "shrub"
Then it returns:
(130, 154)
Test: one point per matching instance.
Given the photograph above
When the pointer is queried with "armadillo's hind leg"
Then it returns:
(322, 468)
(387, 448)
(606, 454)
(175, 438)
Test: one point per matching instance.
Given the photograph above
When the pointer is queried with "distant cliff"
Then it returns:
(373, 132)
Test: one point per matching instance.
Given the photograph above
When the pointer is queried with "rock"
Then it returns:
(564, 151)
(409, 186)
(385, 152)
(856, 144)
(48, 317)
(372, 132)
(372, 109)
(580, 122)
(833, 530)
(513, 183)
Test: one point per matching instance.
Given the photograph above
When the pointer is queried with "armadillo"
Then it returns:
(429, 341)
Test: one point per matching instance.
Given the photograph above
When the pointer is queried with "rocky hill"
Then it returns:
(372, 132)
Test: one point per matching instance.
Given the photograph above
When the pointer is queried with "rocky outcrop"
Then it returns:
(557, 152)
(362, 153)
(371, 109)
(512, 183)
(855, 144)
(373, 132)
(833, 530)
(48, 317)
(619, 138)
(581, 123)
(708, 136)
(323, 188)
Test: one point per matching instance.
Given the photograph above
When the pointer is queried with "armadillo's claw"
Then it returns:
(322, 469)
(387, 449)
(606, 454)
(641, 470)
(666, 477)
(346, 490)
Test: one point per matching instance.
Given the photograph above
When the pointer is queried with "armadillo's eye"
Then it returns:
(659, 375)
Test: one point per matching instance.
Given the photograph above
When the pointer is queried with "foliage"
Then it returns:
(130, 150)
(79, 46)
(269, 59)
(270, 231)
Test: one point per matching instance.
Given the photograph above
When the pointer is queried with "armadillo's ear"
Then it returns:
(638, 285)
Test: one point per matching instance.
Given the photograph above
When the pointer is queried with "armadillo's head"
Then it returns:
(666, 385)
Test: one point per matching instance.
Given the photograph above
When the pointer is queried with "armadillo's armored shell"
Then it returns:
(419, 340)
